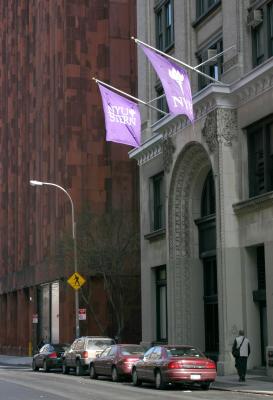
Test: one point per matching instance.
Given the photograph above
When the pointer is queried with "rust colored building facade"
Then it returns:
(52, 129)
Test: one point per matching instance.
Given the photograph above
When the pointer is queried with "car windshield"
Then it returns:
(183, 352)
(92, 343)
(130, 350)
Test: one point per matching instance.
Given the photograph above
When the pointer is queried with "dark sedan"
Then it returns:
(116, 361)
(49, 357)
(162, 365)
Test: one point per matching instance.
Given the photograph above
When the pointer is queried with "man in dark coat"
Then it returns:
(241, 343)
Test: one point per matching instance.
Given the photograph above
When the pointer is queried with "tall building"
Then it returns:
(206, 188)
(52, 130)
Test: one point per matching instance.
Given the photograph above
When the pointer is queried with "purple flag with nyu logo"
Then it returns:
(175, 82)
(122, 118)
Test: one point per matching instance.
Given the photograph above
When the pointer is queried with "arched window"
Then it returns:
(208, 196)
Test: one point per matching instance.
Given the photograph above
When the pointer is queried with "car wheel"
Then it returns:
(79, 370)
(45, 366)
(115, 375)
(92, 372)
(34, 366)
(65, 368)
(135, 379)
(206, 385)
(159, 384)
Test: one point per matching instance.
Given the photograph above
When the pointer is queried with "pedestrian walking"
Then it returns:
(241, 351)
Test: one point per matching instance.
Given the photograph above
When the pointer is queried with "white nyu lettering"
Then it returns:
(120, 115)
(182, 102)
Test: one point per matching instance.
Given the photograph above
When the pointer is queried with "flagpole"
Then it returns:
(177, 61)
(130, 96)
(216, 56)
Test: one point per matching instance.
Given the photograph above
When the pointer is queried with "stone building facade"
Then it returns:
(52, 129)
(206, 189)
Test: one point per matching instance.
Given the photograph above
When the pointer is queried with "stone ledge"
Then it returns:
(254, 203)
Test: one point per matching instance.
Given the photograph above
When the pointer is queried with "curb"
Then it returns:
(250, 391)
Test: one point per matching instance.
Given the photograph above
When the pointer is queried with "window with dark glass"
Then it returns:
(204, 6)
(213, 68)
(211, 304)
(262, 33)
(164, 25)
(260, 157)
(207, 252)
(157, 201)
(161, 304)
(208, 197)
(161, 102)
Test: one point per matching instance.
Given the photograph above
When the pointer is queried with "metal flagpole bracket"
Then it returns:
(177, 61)
(129, 95)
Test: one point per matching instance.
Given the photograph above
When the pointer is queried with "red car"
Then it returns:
(116, 361)
(174, 364)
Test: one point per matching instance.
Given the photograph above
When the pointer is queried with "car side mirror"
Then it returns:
(141, 357)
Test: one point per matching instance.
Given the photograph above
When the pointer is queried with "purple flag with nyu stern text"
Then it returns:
(175, 82)
(122, 118)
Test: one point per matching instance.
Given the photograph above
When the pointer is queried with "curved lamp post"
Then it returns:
(40, 183)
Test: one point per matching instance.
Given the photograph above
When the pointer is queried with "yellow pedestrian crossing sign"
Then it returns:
(76, 281)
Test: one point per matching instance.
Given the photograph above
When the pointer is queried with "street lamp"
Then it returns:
(39, 183)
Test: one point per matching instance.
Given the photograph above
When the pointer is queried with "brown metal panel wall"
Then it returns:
(52, 129)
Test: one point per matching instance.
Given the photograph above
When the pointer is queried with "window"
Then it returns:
(157, 202)
(213, 68)
(204, 6)
(164, 25)
(161, 102)
(211, 304)
(208, 197)
(262, 36)
(260, 157)
(261, 268)
(161, 304)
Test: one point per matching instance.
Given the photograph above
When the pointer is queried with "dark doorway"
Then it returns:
(207, 252)
(259, 296)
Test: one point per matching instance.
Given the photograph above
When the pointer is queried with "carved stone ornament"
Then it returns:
(227, 125)
(209, 130)
(168, 150)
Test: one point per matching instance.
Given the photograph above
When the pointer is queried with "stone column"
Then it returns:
(220, 131)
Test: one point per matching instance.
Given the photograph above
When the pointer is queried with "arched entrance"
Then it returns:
(207, 253)
(190, 297)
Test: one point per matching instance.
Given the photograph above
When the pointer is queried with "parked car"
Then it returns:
(50, 356)
(116, 361)
(82, 351)
(174, 364)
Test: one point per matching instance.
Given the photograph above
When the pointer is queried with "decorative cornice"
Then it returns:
(256, 82)
(254, 204)
(148, 150)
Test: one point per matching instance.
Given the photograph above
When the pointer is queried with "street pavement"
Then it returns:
(256, 380)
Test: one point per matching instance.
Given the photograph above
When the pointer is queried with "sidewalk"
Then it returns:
(256, 381)
(15, 360)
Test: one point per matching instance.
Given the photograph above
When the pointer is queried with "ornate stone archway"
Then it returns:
(187, 180)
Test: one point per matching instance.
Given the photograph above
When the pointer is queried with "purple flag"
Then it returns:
(175, 82)
(122, 118)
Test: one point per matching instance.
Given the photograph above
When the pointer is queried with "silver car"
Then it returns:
(82, 351)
